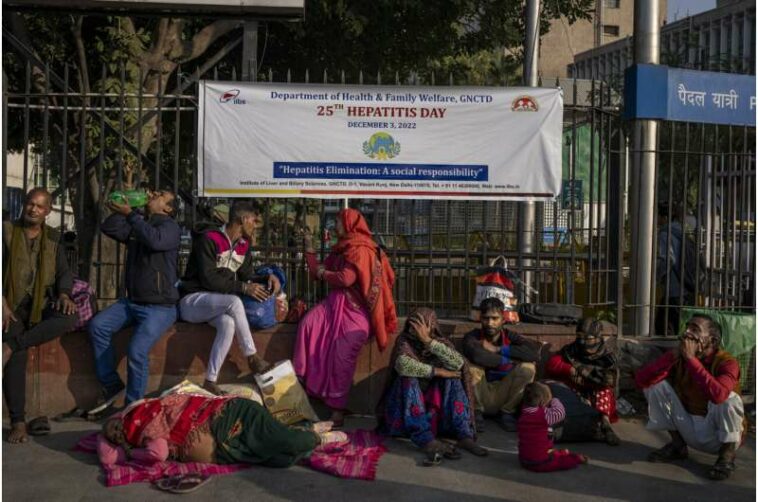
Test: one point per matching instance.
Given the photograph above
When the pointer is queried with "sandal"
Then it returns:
(168, 482)
(451, 453)
(668, 453)
(722, 469)
(38, 427)
(432, 459)
(75, 415)
(185, 483)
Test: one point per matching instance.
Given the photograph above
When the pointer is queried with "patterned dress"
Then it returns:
(419, 405)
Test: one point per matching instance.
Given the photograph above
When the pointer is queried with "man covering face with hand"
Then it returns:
(693, 393)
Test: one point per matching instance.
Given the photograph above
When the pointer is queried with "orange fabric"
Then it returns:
(375, 276)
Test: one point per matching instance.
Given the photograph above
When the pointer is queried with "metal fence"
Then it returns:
(435, 246)
(706, 202)
(83, 145)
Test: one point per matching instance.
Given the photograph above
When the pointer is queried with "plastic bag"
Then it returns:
(283, 395)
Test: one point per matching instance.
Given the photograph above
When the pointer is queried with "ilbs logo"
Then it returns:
(231, 95)
(524, 104)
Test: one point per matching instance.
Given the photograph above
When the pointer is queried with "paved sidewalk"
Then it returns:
(45, 469)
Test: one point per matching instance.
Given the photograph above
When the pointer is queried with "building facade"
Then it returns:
(721, 39)
(612, 20)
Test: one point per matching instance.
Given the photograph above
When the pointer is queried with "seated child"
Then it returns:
(539, 411)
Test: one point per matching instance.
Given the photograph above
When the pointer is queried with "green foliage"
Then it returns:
(479, 41)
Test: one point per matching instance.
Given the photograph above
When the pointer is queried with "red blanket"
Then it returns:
(356, 459)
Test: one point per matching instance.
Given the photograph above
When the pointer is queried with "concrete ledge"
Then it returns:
(61, 373)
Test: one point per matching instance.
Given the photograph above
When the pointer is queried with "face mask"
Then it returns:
(590, 343)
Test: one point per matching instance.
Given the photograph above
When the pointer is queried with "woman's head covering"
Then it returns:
(589, 336)
(375, 274)
(407, 344)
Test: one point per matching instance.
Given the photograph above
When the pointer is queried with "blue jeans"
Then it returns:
(150, 322)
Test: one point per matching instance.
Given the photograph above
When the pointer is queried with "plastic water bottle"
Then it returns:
(135, 198)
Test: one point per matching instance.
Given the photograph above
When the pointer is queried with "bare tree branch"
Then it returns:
(81, 53)
(204, 38)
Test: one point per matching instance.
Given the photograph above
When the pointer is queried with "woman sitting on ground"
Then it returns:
(198, 428)
(589, 367)
(430, 392)
(359, 305)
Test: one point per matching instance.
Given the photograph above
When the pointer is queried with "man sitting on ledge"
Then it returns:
(36, 304)
(220, 270)
(152, 251)
(693, 393)
(502, 364)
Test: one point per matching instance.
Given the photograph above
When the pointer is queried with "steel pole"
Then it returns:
(646, 50)
(528, 210)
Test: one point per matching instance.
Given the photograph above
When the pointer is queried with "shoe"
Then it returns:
(507, 421)
(107, 400)
(257, 364)
(668, 453)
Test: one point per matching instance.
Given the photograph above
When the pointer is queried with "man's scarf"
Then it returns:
(18, 249)
(375, 274)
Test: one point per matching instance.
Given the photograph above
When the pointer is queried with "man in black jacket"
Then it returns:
(37, 307)
(503, 364)
(152, 251)
(220, 270)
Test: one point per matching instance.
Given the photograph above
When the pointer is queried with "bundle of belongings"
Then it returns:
(497, 281)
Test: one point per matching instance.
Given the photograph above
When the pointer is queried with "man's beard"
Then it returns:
(492, 334)
(32, 221)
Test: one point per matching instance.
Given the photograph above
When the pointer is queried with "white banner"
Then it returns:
(324, 141)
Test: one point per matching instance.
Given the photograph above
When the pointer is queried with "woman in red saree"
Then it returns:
(359, 305)
(199, 428)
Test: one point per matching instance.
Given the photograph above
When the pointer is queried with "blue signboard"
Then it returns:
(660, 92)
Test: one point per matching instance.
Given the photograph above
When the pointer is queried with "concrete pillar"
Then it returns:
(692, 47)
(734, 56)
(747, 36)
(724, 45)
(713, 47)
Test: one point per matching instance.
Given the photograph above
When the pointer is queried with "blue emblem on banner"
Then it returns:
(381, 146)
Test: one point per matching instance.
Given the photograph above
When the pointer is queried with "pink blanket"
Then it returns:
(356, 459)
(136, 472)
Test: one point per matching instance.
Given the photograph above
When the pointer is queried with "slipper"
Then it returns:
(75, 415)
(169, 482)
(721, 470)
(38, 427)
(452, 453)
(432, 458)
(189, 483)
